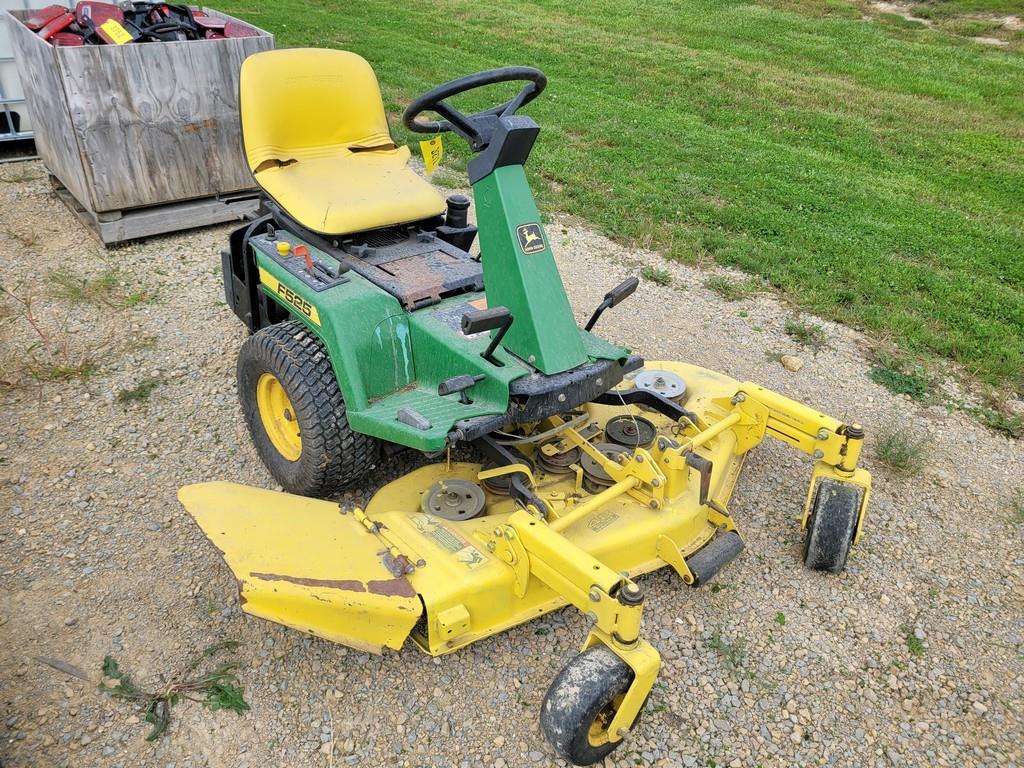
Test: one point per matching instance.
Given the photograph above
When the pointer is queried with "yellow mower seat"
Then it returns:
(317, 142)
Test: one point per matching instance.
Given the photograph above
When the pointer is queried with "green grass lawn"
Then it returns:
(873, 171)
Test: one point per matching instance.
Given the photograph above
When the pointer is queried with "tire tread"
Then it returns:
(333, 454)
(576, 696)
(832, 525)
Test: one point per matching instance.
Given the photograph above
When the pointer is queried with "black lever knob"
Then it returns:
(459, 384)
(485, 320)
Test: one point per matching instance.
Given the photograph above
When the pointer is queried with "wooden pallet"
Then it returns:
(112, 227)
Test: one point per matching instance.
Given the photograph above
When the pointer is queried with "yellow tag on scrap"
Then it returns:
(433, 151)
(117, 33)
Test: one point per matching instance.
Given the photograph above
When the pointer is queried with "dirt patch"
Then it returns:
(899, 9)
(906, 11)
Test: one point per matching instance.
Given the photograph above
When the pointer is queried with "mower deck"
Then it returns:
(359, 579)
(437, 558)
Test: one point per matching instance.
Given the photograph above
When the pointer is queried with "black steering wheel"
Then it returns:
(478, 127)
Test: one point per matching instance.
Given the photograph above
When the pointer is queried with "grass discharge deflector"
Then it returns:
(374, 327)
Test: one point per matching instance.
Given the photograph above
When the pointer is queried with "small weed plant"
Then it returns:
(902, 450)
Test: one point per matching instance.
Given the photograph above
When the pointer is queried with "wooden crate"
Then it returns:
(128, 128)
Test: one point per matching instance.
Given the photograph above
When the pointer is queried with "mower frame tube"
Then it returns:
(836, 446)
(613, 604)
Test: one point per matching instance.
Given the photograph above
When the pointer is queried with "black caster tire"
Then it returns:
(296, 415)
(580, 704)
(831, 525)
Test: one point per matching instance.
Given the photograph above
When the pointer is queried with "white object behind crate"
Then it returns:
(12, 95)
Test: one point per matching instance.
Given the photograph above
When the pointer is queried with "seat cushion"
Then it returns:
(296, 101)
(347, 191)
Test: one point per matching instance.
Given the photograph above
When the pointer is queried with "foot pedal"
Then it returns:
(413, 418)
(708, 561)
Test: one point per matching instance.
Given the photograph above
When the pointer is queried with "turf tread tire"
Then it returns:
(584, 687)
(333, 455)
(831, 527)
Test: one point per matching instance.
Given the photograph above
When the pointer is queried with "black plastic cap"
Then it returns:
(481, 320)
(630, 594)
(457, 216)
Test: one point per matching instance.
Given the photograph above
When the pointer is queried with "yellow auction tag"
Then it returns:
(432, 151)
(116, 32)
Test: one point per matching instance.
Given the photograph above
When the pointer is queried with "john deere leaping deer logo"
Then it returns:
(530, 238)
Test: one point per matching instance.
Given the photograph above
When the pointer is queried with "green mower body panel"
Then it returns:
(387, 359)
(520, 273)
(390, 353)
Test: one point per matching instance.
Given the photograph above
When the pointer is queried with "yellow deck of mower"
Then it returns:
(374, 327)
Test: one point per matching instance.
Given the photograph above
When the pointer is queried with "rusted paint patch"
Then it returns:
(399, 587)
(349, 585)
(419, 277)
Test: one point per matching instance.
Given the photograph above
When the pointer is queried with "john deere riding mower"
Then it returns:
(373, 327)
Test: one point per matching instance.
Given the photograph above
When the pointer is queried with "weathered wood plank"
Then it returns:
(158, 122)
(55, 137)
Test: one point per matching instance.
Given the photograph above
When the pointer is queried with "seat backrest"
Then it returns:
(300, 103)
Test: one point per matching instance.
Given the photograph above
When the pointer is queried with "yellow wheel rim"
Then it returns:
(279, 419)
(598, 733)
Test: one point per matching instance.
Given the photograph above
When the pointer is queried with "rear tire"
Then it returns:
(286, 367)
(831, 526)
(581, 702)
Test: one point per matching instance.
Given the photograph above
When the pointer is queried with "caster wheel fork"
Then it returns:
(833, 518)
(597, 698)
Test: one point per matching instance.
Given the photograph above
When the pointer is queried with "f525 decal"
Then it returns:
(288, 296)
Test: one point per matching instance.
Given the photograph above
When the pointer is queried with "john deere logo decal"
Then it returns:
(530, 238)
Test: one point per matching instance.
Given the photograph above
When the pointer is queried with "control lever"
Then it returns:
(617, 294)
(704, 468)
(480, 320)
(460, 384)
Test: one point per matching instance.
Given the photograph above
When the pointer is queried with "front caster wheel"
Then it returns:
(831, 525)
(580, 704)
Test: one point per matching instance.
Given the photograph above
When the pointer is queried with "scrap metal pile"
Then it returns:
(91, 22)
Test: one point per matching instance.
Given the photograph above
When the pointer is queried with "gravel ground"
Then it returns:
(772, 665)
